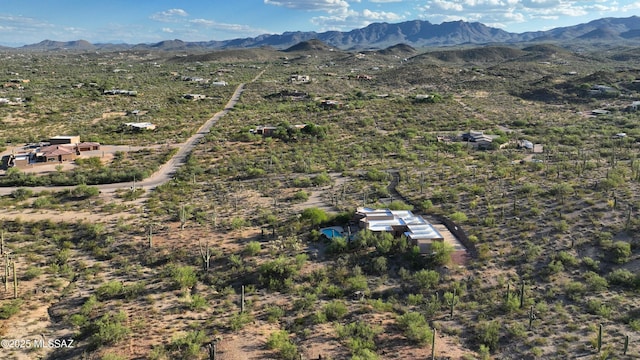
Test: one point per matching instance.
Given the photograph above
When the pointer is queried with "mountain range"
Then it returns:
(416, 33)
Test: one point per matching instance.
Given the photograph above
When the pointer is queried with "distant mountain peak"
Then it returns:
(413, 33)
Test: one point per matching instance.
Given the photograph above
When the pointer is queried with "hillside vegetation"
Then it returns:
(227, 257)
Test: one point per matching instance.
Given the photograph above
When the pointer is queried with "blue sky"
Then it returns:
(145, 21)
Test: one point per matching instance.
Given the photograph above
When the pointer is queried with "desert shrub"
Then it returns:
(595, 281)
(383, 242)
(441, 252)
(10, 308)
(488, 333)
(110, 356)
(619, 252)
(511, 304)
(376, 175)
(333, 291)
(623, 277)
(380, 305)
(415, 327)
(302, 182)
(517, 330)
(425, 279)
(78, 320)
(415, 299)
(399, 205)
(357, 283)
(279, 341)
(277, 274)
(575, 290)
(31, 273)
(110, 290)
(21, 194)
(335, 310)
(567, 259)
(596, 307)
(187, 346)
(238, 223)
(239, 320)
(109, 329)
(274, 313)
(379, 265)
(314, 216)
(84, 191)
(338, 245)
(359, 336)
(253, 173)
(183, 277)
(321, 179)
(198, 302)
(306, 302)
(458, 217)
(590, 263)
(301, 196)
(253, 248)
(89, 306)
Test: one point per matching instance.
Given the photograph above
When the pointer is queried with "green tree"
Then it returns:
(315, 216)
(441, 252)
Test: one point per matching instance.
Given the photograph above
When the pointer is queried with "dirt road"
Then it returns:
(166, 171)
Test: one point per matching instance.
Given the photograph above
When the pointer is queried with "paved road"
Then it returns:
(166, 171)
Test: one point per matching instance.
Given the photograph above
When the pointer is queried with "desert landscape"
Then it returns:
(477, 201)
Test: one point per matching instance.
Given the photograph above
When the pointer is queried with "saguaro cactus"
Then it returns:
(452, 301)
(522, 294)
(6, 272)
(150, 236)
(183, 217)
(242, 300)
(532, 316)
(507, 296)
(626, 345)
(600, 338)
(205, 254)
(433, 345)
(15, 281)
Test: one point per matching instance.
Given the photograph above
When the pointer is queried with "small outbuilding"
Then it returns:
(65, 140)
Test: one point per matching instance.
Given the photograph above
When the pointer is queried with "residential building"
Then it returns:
(140, 126)
(298, 79)
(400, 222)
(64, 140)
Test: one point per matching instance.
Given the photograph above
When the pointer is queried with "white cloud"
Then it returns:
(311, 5)
(237, 28)
(385, 1)
(504, 13)
(351, 19)
(380, 15)
(632, 6)
(447, 5)
(171, 15)
(167, 30)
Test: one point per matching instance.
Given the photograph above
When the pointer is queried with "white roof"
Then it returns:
(385, 219)
(140, 124)
(423, 232)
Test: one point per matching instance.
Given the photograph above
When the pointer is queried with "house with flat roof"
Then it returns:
(64, 139)
(400, 222)
(140, 126)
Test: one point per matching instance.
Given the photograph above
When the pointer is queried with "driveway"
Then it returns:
(166, 171)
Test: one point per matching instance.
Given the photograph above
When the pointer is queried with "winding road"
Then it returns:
(166, 171)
